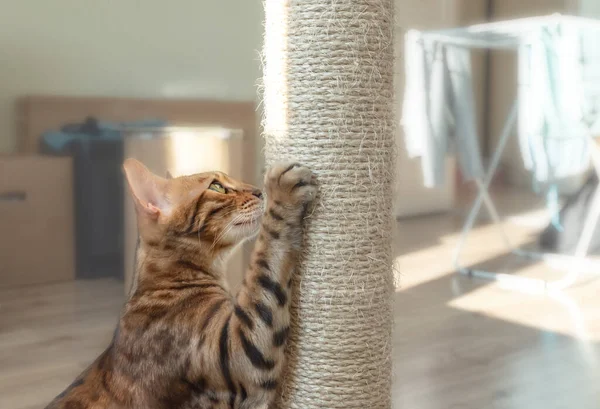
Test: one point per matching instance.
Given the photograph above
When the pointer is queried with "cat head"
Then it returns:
(205, 208)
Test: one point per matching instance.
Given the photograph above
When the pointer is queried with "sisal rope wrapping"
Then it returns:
(328, 95)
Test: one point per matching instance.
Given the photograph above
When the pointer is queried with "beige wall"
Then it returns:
(150, 48)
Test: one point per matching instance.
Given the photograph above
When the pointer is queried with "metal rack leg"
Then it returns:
(575, 262)
(483, 186)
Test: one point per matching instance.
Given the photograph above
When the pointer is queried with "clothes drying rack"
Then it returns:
(510, 35)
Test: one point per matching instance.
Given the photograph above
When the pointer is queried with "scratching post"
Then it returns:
(328, 101)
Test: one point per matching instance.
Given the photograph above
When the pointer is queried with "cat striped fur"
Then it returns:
(183, 341)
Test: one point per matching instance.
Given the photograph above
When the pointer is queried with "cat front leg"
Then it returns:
(260, 324)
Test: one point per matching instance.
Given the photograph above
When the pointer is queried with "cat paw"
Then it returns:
(290, 185)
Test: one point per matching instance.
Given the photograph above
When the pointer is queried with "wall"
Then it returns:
(589, 8)
(150, 48)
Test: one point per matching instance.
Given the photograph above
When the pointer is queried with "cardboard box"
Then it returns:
(36, 220)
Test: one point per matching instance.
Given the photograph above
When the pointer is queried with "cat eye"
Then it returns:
(217, 187)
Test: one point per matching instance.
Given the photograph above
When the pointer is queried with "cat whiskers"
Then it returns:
(226, 230)
(224, 215)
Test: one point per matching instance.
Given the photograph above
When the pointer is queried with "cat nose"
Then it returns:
(257, 193)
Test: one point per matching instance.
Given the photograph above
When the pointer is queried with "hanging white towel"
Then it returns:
(438, 111)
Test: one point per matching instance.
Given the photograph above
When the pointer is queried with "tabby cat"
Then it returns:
(182, 340)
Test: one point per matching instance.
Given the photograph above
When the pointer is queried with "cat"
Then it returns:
(183, 341)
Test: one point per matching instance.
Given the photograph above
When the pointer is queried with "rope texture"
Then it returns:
(328, 95)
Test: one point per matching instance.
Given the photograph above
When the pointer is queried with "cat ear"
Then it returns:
(169, 176)
(149, 191)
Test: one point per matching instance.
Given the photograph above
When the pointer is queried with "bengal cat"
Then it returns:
(182, 340)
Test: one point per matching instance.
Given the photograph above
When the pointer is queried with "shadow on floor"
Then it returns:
(446, 357)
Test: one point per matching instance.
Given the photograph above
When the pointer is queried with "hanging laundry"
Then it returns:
(557, 102)
(438, 113)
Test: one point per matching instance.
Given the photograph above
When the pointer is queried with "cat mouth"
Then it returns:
(248, 222)
(244, 223)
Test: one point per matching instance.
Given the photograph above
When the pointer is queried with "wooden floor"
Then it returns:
(458, 343)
